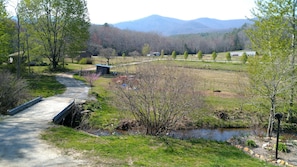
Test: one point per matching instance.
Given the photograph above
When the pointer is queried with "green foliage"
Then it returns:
(7, 31)
(269, 82)
(274, 34)
(228, 56)
(282, 147)
(92, 106)
(251, 143)
(173, 55)
(186, 55)
(200, 55)
(86, 61)
(124, 55)
(265, 58)
(214, 55)
(271, 29)
(60, 27)
(244, 58)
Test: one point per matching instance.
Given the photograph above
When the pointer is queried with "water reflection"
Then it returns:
(210, 134)
(219, 134)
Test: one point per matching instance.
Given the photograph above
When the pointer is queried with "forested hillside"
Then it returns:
(132, 42)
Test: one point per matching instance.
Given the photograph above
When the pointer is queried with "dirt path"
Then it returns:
(20, 143)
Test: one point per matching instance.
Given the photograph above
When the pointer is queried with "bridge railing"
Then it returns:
(60, 117)
(24, 106)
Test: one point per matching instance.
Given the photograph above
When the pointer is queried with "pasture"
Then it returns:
(223, 86)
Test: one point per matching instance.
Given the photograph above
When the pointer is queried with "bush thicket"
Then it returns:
(13, 91)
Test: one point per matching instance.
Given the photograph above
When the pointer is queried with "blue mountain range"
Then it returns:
(171, 26)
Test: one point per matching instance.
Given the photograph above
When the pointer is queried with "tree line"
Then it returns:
(129, 42)
(43, 29)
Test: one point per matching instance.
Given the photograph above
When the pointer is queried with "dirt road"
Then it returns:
(20, 143)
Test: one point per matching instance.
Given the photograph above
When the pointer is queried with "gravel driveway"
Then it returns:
(20, 143)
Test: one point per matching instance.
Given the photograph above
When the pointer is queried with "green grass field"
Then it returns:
(138, 150)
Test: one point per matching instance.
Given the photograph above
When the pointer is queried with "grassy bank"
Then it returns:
(140, 150)
(44, 85)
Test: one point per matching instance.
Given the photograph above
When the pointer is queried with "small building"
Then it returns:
(102, 69)
(85, 54)
(240, 53)
(154, 54)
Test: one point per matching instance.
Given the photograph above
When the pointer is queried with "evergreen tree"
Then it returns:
(200, 55)
(214, 56)
(228, 56)
(173, 55)
(244, 58)
(186, 55)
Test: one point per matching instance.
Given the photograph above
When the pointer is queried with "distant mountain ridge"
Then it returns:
(171, 26)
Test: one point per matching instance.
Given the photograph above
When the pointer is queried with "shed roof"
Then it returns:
(101, 65)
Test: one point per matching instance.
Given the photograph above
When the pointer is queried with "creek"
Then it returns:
(218, 134)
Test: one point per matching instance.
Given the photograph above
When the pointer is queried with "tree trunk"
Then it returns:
(271, 117)
(293, 46)
(270, 124)
(55, 64)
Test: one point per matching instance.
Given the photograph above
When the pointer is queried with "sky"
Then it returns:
(116, 11)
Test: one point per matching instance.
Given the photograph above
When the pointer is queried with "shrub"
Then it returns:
(214, 56)
(92, 105)
(251, 143)
(200, 55)
(186, 55)
(13, 91)
(228, 56)
(85, 61)
(282, 147)
(244, 58)
(173, 55)
(91, 77)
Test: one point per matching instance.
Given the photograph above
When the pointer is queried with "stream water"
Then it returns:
(219, 134)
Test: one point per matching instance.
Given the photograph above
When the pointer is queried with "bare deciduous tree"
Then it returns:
(158, 96)
(108, 53)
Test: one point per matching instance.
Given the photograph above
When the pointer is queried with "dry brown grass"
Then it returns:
(230, 84)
